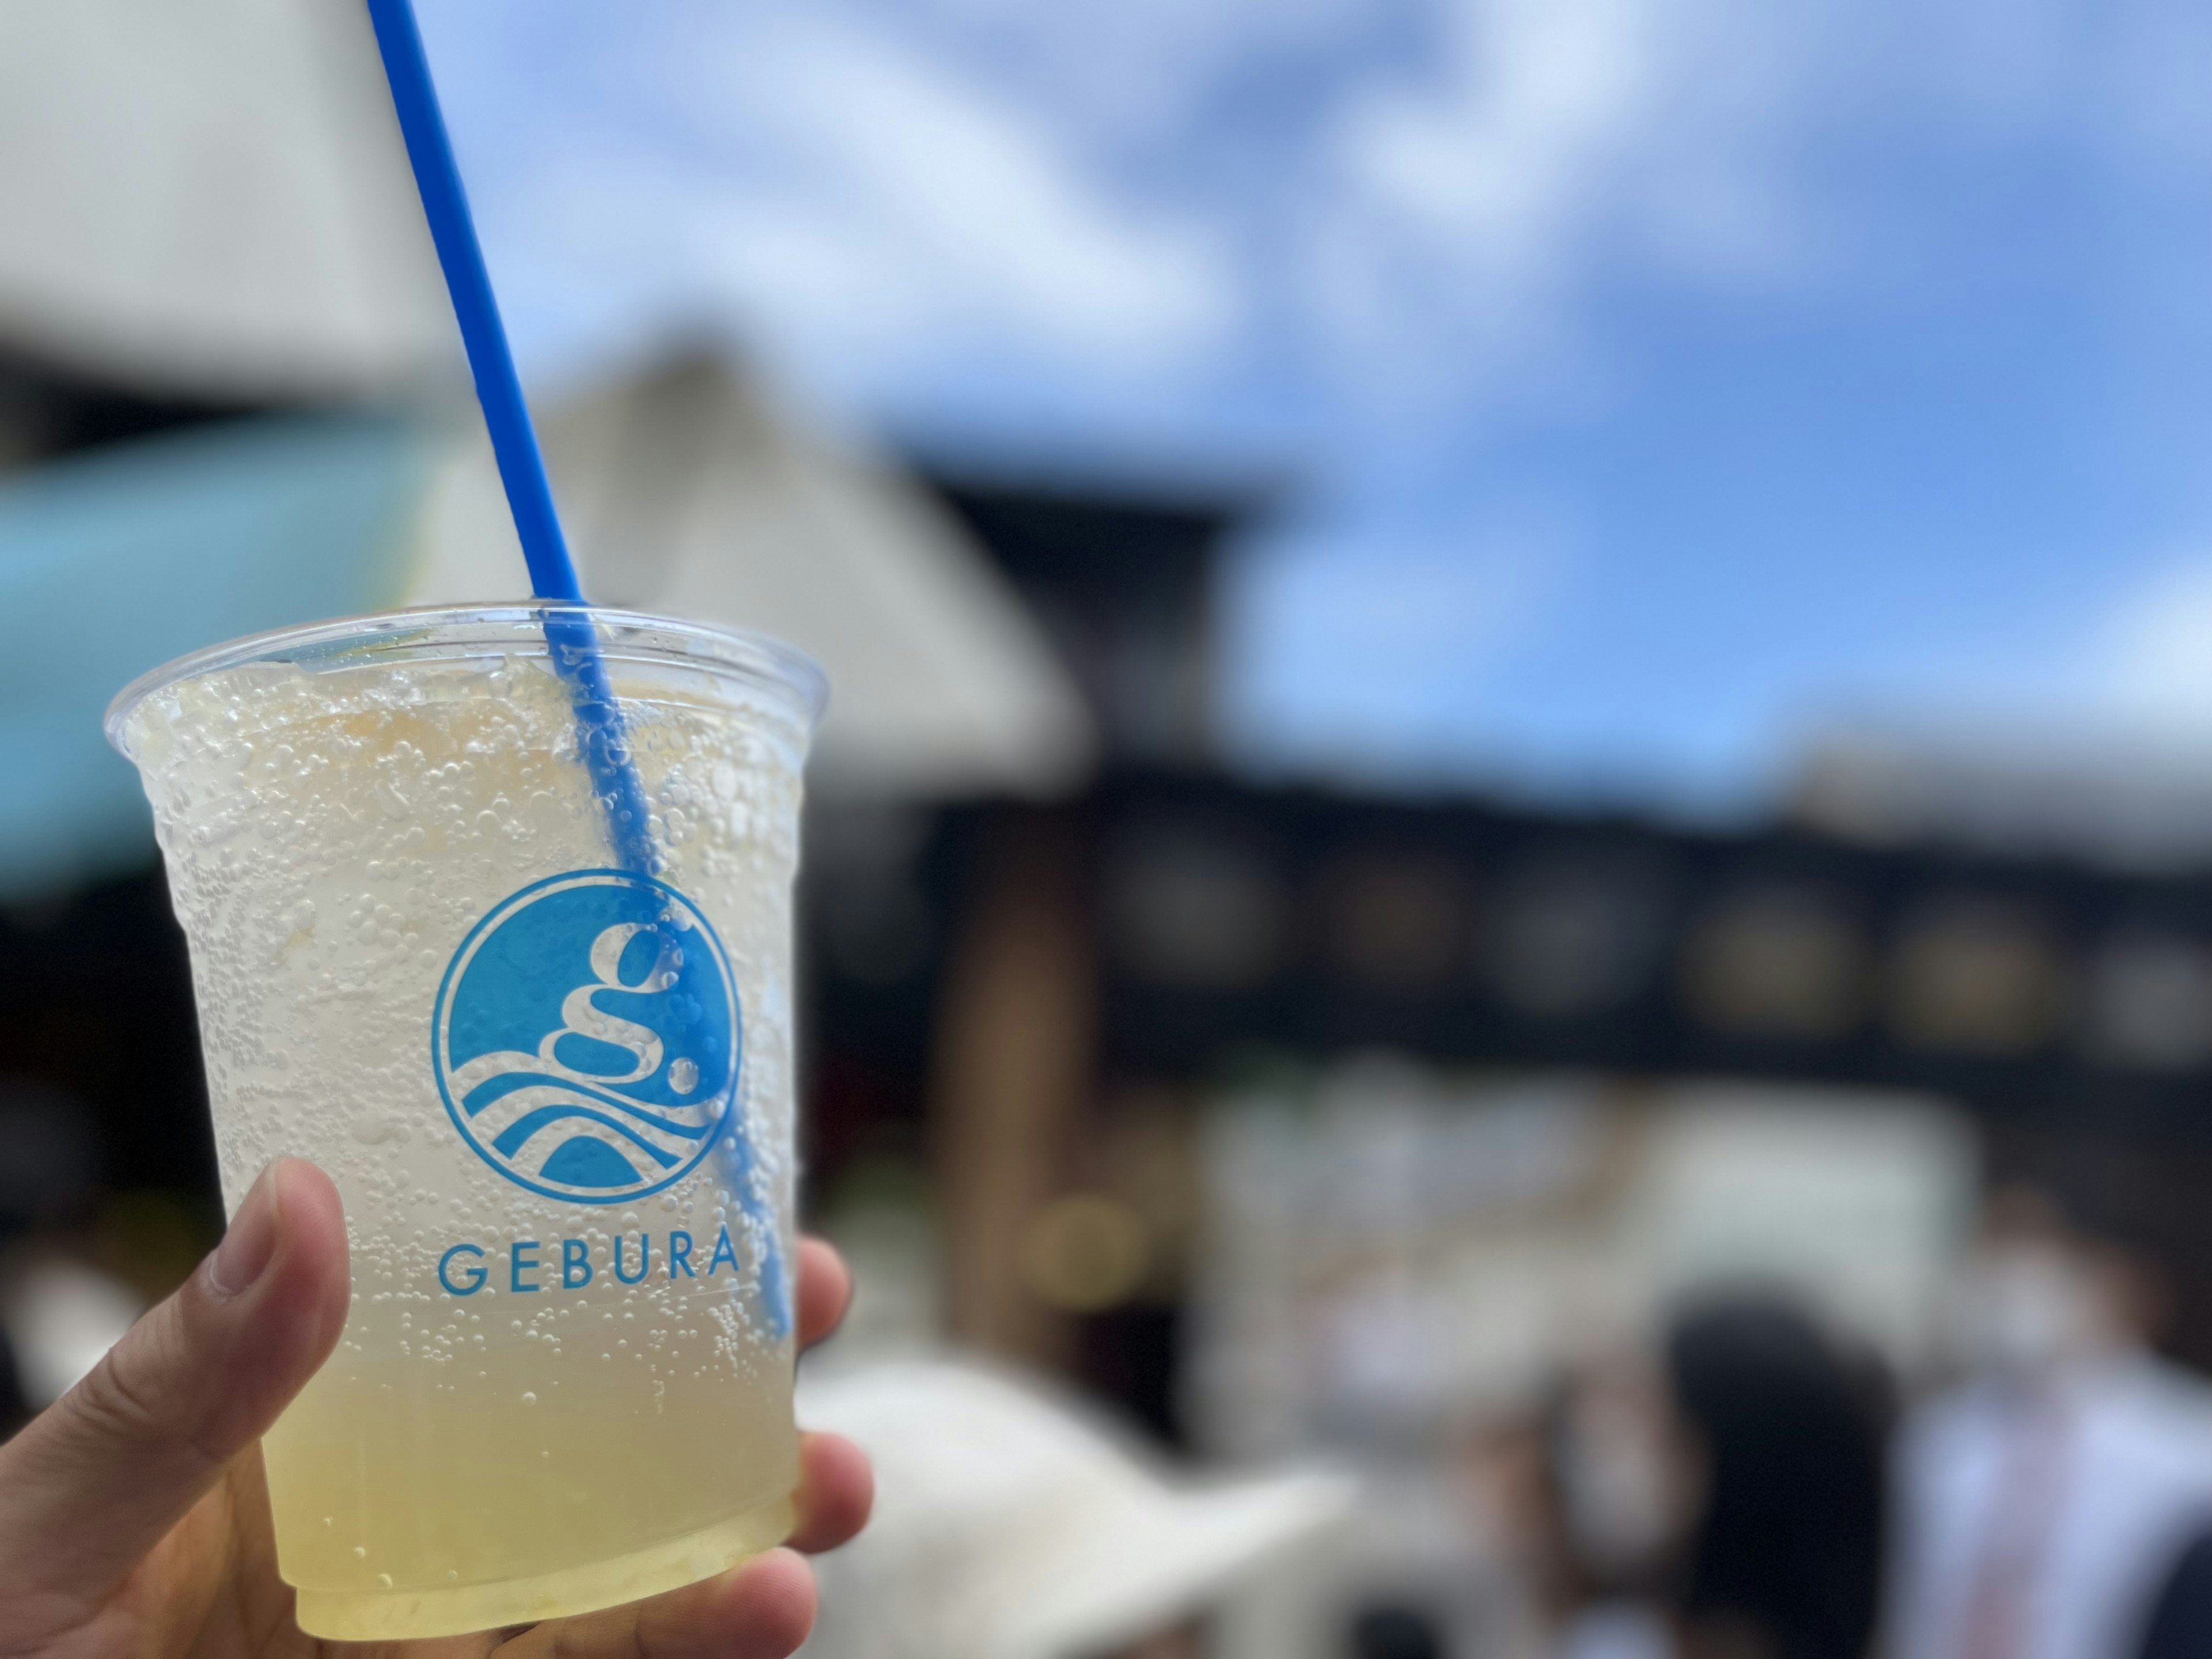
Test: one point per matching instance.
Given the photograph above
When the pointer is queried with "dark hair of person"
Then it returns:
(2180, 1623)
(1794, 1427)
(1389, 1631)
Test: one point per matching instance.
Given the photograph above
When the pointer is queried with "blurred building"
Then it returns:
(1298, 1118)
(2140, 804)
(1177, 931)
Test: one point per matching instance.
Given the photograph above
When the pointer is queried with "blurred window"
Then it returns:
(1978, 975)
(1778, 962)
(1571, 936)
(1197, 906)
(1395, 923)
(2149, 1002)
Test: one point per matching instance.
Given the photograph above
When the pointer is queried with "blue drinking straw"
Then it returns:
(569, 637)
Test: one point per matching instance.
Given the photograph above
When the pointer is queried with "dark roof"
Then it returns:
(1055, 534)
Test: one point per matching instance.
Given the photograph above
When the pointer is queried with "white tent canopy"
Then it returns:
(212, 198)
(684, 494)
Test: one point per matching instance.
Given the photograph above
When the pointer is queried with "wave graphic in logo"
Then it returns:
(587, 1036)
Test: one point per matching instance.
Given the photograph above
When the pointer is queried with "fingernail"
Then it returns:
(251, 1241)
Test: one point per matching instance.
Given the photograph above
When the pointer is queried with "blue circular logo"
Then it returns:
(587, 1037)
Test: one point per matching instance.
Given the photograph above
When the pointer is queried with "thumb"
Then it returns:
(96, 1481)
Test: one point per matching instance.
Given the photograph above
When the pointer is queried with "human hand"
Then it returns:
(134, 1517)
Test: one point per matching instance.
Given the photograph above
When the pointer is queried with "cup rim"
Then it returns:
(768, 662)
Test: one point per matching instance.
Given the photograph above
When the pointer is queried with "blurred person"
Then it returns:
(134, 1517)
(1723, 1498)
(58, 1316)
(1789, 1429)
(14, 1406)
(1389, 1631)
(2180, 1623)
(1013, 1524)
(58, 1313)
(1185, 1642)
(2044, 1498)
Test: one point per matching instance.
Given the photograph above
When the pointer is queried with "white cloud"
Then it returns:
(1140, 71)
(873, 211)
(1474, 202)
(2152, 659)
(1537, 96)
(1470, 202)
(913, 199)
(927, 181)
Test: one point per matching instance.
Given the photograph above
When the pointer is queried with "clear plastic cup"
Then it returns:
(556, 1094)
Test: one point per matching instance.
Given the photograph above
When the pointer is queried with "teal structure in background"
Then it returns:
(115, 561)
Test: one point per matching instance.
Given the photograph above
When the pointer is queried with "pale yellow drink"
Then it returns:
(554, 1093)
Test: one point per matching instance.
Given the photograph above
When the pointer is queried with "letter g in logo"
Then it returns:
(587, 1037)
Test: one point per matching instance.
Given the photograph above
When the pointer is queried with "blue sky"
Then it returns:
(1649, 383)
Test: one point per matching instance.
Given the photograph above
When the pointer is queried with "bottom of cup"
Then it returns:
(397, 1615)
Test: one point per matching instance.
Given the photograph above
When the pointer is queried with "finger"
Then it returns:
(836, 1490)
(825, 1288)
(87, 1488)
(762, 1610)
